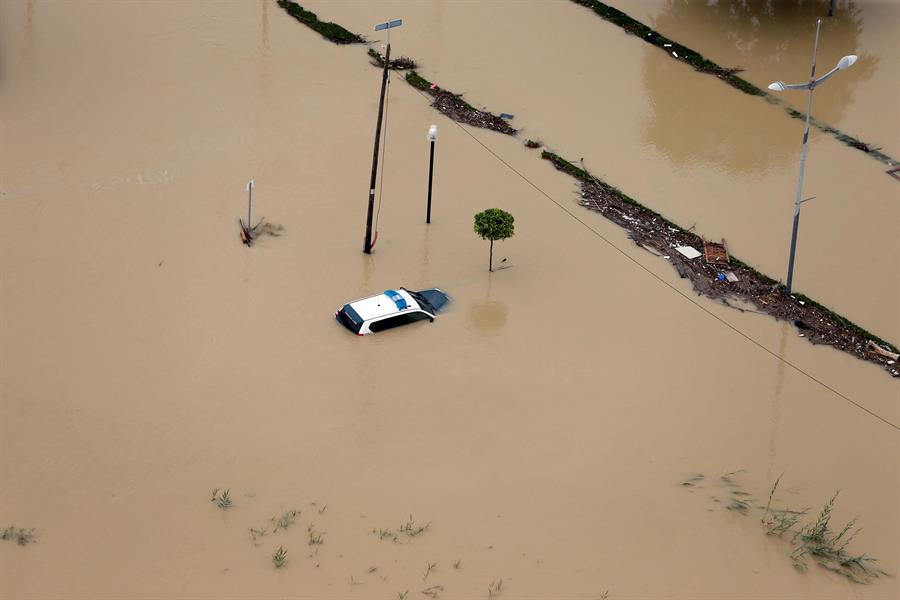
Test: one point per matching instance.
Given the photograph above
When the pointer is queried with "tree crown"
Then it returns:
(494, 224)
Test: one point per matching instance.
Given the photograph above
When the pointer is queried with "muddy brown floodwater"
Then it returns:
(541, 426)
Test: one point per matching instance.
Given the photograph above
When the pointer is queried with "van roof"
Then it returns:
(389, 303)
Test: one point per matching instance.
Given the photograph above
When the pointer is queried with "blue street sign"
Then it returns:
(389, 24)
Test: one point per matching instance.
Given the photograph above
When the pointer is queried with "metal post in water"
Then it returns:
(796, 225)
(432, 137)
(780, 86)
(249, 203)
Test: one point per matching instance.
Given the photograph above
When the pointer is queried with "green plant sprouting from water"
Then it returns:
(285, 520)
(279, 559)
(316, 538)
(22, 537)
(221, 499)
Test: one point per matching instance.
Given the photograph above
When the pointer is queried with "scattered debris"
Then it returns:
(715, 254)
(397, 64)
(249, 235)
(873, 347)
(458, 109)
(533, 143)
(688, 252)
(651, 230)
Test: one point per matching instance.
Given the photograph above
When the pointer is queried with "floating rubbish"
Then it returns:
(715, 253)
(687, 251)
(675, 54)
(667, 45)
(730, 276)
(720, 277)
(434, 86)
(506, 116)
(870, 345)
(802, 303)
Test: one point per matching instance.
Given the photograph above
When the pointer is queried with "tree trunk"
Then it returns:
(491, 258)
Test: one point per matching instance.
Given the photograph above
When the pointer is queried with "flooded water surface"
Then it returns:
(539, 430)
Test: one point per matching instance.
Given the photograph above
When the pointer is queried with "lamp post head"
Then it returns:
(432, 133)
(847, 62)
(778, 86)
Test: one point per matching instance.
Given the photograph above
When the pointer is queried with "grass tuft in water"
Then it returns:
(22, 537)
(316, 538)
(285, 520)
(221, 499)
(279, 559)
(413, 529)
(433, 592)
(817, 542)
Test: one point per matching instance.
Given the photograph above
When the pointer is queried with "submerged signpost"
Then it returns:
(367, 245)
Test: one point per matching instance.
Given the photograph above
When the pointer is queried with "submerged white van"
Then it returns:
(390, 309)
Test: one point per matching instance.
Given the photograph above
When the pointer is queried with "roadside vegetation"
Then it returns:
(728, 75)
(330, 31)
(808, 541)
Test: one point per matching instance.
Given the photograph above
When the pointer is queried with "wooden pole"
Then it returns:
(367, 245)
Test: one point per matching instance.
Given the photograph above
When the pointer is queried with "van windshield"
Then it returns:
(425, 304)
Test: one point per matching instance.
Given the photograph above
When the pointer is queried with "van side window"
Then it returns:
(397, 320)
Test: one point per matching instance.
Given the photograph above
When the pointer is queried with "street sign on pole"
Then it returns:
(389, 24)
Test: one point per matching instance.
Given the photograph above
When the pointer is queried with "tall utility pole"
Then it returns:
(780, 86)
(367, 245)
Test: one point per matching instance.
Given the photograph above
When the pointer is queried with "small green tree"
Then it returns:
(494, 224)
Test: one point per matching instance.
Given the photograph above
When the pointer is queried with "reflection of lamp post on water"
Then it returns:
(432, 137)
(780, 86)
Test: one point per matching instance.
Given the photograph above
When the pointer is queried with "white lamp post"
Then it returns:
(780, 86)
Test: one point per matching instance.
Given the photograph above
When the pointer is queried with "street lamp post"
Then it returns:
(779, 86)
(432, 137)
